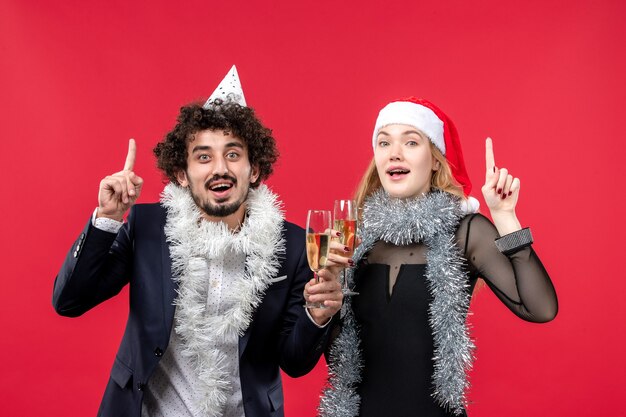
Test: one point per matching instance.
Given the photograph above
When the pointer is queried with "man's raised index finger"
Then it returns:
(489, 158)
(130, 157)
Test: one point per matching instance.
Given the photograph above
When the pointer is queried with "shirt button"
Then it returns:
(140, 386)
(158, 352)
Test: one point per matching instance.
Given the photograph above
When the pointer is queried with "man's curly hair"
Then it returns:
(238, 120)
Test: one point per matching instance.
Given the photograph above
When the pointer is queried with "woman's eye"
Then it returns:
(383, 143)
(412, 143)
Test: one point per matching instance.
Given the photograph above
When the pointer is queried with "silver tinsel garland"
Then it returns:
(193, 244)
(431, 219)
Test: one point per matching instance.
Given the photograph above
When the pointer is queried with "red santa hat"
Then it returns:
(429, 119)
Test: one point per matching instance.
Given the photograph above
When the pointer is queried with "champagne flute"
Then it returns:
(345, 220)
(318, 227)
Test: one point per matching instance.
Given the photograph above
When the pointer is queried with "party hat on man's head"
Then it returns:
(229, 90)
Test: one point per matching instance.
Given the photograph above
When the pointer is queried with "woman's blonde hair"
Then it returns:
(441, 179)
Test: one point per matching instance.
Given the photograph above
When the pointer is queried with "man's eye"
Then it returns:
(203, 157)
(232, 155)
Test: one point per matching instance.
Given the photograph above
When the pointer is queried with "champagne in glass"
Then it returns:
(345, 215)
(317, 243)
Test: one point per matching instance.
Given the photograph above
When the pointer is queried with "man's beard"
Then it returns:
(219, 210)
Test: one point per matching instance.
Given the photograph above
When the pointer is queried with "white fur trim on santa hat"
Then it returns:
(412, 114)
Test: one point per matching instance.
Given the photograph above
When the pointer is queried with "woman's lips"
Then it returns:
(397, 173)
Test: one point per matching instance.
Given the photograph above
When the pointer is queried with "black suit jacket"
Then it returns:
(100, 264)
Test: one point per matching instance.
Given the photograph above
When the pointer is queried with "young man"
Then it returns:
(216, 275)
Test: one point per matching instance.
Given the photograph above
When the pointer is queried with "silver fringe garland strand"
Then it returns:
(340, 397)
(431, 219)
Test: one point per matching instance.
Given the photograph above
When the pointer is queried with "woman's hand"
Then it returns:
(338, 255)
(501, 191)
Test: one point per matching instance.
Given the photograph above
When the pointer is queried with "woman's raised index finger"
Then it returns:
(489, 158)
(130, 157)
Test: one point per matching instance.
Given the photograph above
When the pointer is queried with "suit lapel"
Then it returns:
(169, 286)
(243, 340)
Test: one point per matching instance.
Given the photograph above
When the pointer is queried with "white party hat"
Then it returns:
(229, 90)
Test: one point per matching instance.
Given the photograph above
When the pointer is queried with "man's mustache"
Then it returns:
(215, 178)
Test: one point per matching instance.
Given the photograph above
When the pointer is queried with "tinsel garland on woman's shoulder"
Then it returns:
(431, 219)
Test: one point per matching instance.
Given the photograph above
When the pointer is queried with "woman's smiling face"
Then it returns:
(404, 161)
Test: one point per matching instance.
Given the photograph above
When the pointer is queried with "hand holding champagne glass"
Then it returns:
(318, 229)
(345, 221)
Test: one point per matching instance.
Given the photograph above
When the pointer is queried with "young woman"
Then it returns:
(403, 348)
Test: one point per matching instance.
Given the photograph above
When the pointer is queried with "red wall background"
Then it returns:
(543, 78)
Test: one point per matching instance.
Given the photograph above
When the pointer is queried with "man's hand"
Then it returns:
(118, 192)
(326, 291)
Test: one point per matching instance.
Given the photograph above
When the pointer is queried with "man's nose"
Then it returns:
(219, 166)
